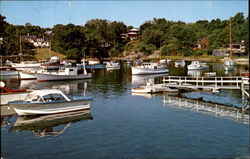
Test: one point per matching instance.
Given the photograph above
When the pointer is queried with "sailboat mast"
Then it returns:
(20, 44)
(230, 38)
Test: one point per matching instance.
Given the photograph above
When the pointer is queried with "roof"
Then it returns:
(134, 29)
(44, 92)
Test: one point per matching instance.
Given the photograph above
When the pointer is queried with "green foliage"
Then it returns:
(200, 52)
(147, 49)
(102, 38)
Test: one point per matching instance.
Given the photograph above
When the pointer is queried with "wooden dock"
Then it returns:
(211, 83)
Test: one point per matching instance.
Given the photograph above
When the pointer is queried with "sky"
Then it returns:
(134, 13)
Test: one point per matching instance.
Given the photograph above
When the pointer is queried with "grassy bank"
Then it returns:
(208, 58)
(45, 53)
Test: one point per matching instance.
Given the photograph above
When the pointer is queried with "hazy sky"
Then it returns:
(135, 13)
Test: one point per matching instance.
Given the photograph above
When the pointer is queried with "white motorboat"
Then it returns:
(68, 73)
(8, 71)
(153, 88)
(197, 65)
(149, 68)
(94, 62)
(49, 101)
(28, 65)
(163, 61)
(179, 63)
(112, 65)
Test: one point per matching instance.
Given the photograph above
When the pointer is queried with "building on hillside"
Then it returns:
(133, 34)
(238, 48)
(220, 52)
(201, 44)
(37, 42)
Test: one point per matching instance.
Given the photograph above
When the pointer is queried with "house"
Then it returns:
(201, 44)
(238, 48)
(220, 52)
(133, 34)
(37, 42)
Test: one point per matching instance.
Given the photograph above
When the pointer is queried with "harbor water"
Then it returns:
(125, 125)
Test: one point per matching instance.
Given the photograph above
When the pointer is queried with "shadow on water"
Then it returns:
(45, 125)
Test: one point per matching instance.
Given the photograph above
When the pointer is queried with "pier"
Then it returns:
(211, 83)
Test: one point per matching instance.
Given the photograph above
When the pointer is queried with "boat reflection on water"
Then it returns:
(65, 86)
(207, 108)
(143, 79)
(147, 95)
(46, 125)
(195, 73)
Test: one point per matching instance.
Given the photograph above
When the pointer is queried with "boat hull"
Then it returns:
(144, 71)
(53, 77)
(8, 73)
(50, 108)
(8, 97)
(25, 75)
(198, 68)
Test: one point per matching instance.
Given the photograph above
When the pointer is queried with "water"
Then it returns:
(121, 125)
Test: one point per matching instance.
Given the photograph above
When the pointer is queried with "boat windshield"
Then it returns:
(53, 98)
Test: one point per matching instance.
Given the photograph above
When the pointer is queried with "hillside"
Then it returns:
(44, 53)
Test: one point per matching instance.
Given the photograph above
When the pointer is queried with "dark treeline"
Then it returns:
(102, 38)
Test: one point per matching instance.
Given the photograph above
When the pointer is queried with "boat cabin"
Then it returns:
(69, 70)
(44, 96)
(151, 65)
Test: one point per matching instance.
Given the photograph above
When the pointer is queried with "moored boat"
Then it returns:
(180, 63)
(8, 71)
(153, 88)
(49, 101)
(149, 68)
(68, 73)
(28, 65)
(197, 65)
(112, 65)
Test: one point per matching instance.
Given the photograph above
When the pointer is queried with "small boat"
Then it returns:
(8, 71)
(180, 63)
(28, 65)
(49, 101)
(168, 60)
(68, 73)
(8, 95)
(153, 88)
(149, 68)
(163, 61)
(94, 62)
(245, 74)
(53, 64)
(112, 65)
(209, 74)
(197, 65)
